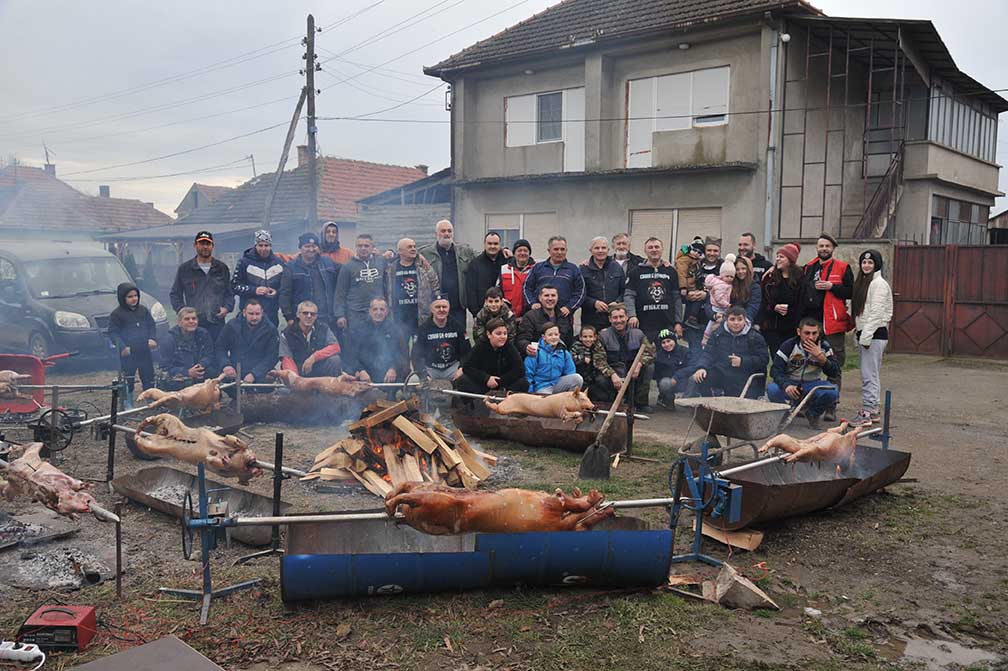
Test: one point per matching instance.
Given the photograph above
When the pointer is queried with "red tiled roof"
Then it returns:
(575, 22)
(31, 198)
(210, 191)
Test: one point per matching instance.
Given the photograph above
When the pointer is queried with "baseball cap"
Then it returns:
(204, 235)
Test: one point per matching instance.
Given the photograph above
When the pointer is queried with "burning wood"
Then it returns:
(393, 443)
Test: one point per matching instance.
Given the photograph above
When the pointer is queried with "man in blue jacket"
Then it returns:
(732, 354)
(259, 275)
(799, 366)
(309, 277)
(251, 341)
(187, 354)
(556, 271)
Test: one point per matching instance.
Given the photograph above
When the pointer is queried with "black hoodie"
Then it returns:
(131, 327)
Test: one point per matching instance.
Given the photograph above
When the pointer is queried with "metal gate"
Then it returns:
(950, 301)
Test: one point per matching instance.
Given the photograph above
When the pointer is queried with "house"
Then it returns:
(34, 202)
(997, 229)
(199, 195)
(675, 118)
(407, 211)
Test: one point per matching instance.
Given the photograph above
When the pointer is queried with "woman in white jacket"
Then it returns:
(872, 307)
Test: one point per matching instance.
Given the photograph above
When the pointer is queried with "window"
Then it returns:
(550, 106)
(536, 227)
(957, 222)
(673, 102)
(540, 118)
(966, 125)
(674, 227)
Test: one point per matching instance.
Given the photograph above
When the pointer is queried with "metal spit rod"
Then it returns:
(261, 464)
(66, 387)
(466, 394)
(102, 514)
(773, 460)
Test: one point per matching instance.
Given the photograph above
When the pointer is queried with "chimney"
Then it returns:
(103, 191)
(422, 168)
(302, 155)
(50, 169)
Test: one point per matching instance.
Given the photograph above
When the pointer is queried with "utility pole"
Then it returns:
(310, 67)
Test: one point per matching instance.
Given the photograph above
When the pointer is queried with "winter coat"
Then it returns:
(481, 274)
(619, 351)
(566, 278)
(685, 265)
(131, 327)
(718, 292)
(873, 322)
(179, 352)
(257, 350)
(439, 347)
(668, 364)
(747, 345)
(206, 293)
(548, 366)
(512, 283)
(777, 291)
(652, 296)
(829, 307)
(335, 252)
(484, 316)
(359, 282)
(584, 359)
(791, 363)
(530, 327)
(251, 272)
(297, 286)
(700, 273)
(760, 266)
(463, 257)
(295, 347)
(375, 348)
(485, 361)
(427, 286)
(606, 284)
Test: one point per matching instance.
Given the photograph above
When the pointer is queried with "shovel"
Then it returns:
(595, 463)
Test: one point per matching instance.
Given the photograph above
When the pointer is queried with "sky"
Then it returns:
(116, 89)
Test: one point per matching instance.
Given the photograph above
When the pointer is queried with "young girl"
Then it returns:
(872, 307)
(720, 288)
(552, 369)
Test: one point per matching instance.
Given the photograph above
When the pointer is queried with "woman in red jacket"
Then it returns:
(513, 274)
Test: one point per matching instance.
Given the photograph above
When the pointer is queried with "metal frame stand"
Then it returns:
(278, 477)
(697, 485)
(208, 541)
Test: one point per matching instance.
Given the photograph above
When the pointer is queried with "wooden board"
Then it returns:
(395, 467)
(373, 483)
(352, 445)
(329, 474)
(469, 480)
(416, 434)
(745, 539)
(336, 460)
(449, 456)
(412, 468)
(384, 415)
(469, 457)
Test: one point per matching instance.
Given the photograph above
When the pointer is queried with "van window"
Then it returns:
(65, 278)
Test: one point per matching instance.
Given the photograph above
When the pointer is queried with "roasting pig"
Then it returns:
(832, 445)
(569, 406)
(9, 383)
(29, 475)
(442, 510)
(166, 435)
(203, 397)
(344, 385)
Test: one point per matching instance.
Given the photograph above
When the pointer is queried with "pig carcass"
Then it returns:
(443, 510)
(344, 385)
(29, 475)
(9, 380)
(569, 406)
(833, 446)
(166, 435)
(203, 397)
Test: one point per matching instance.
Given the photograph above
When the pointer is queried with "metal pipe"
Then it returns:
(466, 394)
(772, 460)
(119, 414)
(284, 469)
(118, 542)
(66, 387)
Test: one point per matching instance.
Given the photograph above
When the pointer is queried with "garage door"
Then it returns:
(701, 221)
(646, 224)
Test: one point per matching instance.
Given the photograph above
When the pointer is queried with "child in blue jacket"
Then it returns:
(551, 370)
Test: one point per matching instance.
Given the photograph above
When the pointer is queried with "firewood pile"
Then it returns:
(393, 443)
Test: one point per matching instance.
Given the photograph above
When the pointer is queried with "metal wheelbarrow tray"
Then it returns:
(146, 481)
(741, 418)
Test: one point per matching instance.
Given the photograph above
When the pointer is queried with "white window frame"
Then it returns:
(539, 122)
(522, 234)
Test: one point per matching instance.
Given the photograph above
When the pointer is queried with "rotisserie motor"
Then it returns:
(442, 510)
(344, 385)
(225, 455)
(569, 406)
(29, 475)
(203, 397)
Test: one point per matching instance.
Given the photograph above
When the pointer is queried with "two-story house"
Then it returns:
(676, 118)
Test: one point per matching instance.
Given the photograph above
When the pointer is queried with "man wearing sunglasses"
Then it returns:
(308, 346)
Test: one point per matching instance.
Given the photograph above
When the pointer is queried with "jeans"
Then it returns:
(667, 388)
(871, 365)
(442, 373)
(817, 405)
(325, 368)
(565, 383)
(473, 386)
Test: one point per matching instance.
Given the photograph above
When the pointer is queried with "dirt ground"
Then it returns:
(910, 578)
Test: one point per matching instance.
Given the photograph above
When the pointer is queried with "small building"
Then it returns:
(997, 229)
(407, 211)
(199, 195)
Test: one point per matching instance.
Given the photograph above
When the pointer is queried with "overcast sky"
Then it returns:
(78, 76)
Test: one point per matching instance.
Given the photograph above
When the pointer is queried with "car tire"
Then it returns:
(38, 345)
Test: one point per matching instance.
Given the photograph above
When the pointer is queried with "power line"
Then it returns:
(213, 168)
(417, 79)
(375, 92)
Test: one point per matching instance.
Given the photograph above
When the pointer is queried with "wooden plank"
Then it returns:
(412, 467)
(485, 456)
(328, 452)
(448, 455)
(337, 460)
(379, 483)
(335, 474)
(746, 539)
(416, 434)
(469, 479)
(395, 467)
(352, 445)
(358, 466)
(469, 457)
(384, 415)
(453, 478)
(311, 476)
(369, 484)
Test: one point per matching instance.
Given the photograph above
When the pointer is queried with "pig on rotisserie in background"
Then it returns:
(9, 380)
(29, 475)
(569, 406)
(344, 385)
(203, 397)
(167, 435)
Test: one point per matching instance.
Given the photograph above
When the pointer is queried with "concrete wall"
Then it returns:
(390, 223)
(929, 160)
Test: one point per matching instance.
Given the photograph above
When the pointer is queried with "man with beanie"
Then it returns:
(483, 271)
(361, 280)
(410, 287)
(827, 285)
(204, 283)
(329, 245)
(449, 261)
(309, 277)
(132, 329)
(259, 275)
(513, 274)
(747, 249)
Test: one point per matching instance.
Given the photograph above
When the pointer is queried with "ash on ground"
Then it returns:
(172, 494)
(60, 568)
(505, 474)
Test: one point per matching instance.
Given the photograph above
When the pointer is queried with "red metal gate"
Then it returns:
(950, 300)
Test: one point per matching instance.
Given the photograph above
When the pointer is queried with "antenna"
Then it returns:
(46, 149)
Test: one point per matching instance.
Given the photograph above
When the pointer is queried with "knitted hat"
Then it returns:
(790, 251)
(521, 243)
(307, 239)
(728, 267)
(874, 255)
(263, 235)
(697, 245)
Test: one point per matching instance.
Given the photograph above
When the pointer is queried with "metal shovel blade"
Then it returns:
(596, 464)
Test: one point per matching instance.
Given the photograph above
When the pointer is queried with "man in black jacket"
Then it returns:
(132, 329)
(747, 248)
(251, 341)
(377, 349)
(605, 283)
(259, 275)
(652, 294)
(530, 326)
(187, 353)
(204, 283)
(493, 365)
(483, 272)
(441, 344)
(309, 277)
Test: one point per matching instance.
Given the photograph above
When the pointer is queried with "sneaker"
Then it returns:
(668, 404)
(863, 419)
(876, 416)
(814, 421)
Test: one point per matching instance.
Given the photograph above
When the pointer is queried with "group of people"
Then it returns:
(706, 323)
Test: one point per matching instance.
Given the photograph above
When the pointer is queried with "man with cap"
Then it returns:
(329, 244)
(410, 287)
(259, 275)
(449, 261)
(484, 271)
(204, 283)
(309, 277)
(361, 280)
(827, 285)
(513, 274)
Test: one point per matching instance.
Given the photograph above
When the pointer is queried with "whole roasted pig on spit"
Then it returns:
(569, 406)
(203, 397)
(832, 445)
(29, 475)
(344, 385)
(166, 435)
(443, 510)
(9, 383)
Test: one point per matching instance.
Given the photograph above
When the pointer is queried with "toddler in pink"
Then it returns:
(719, 288)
